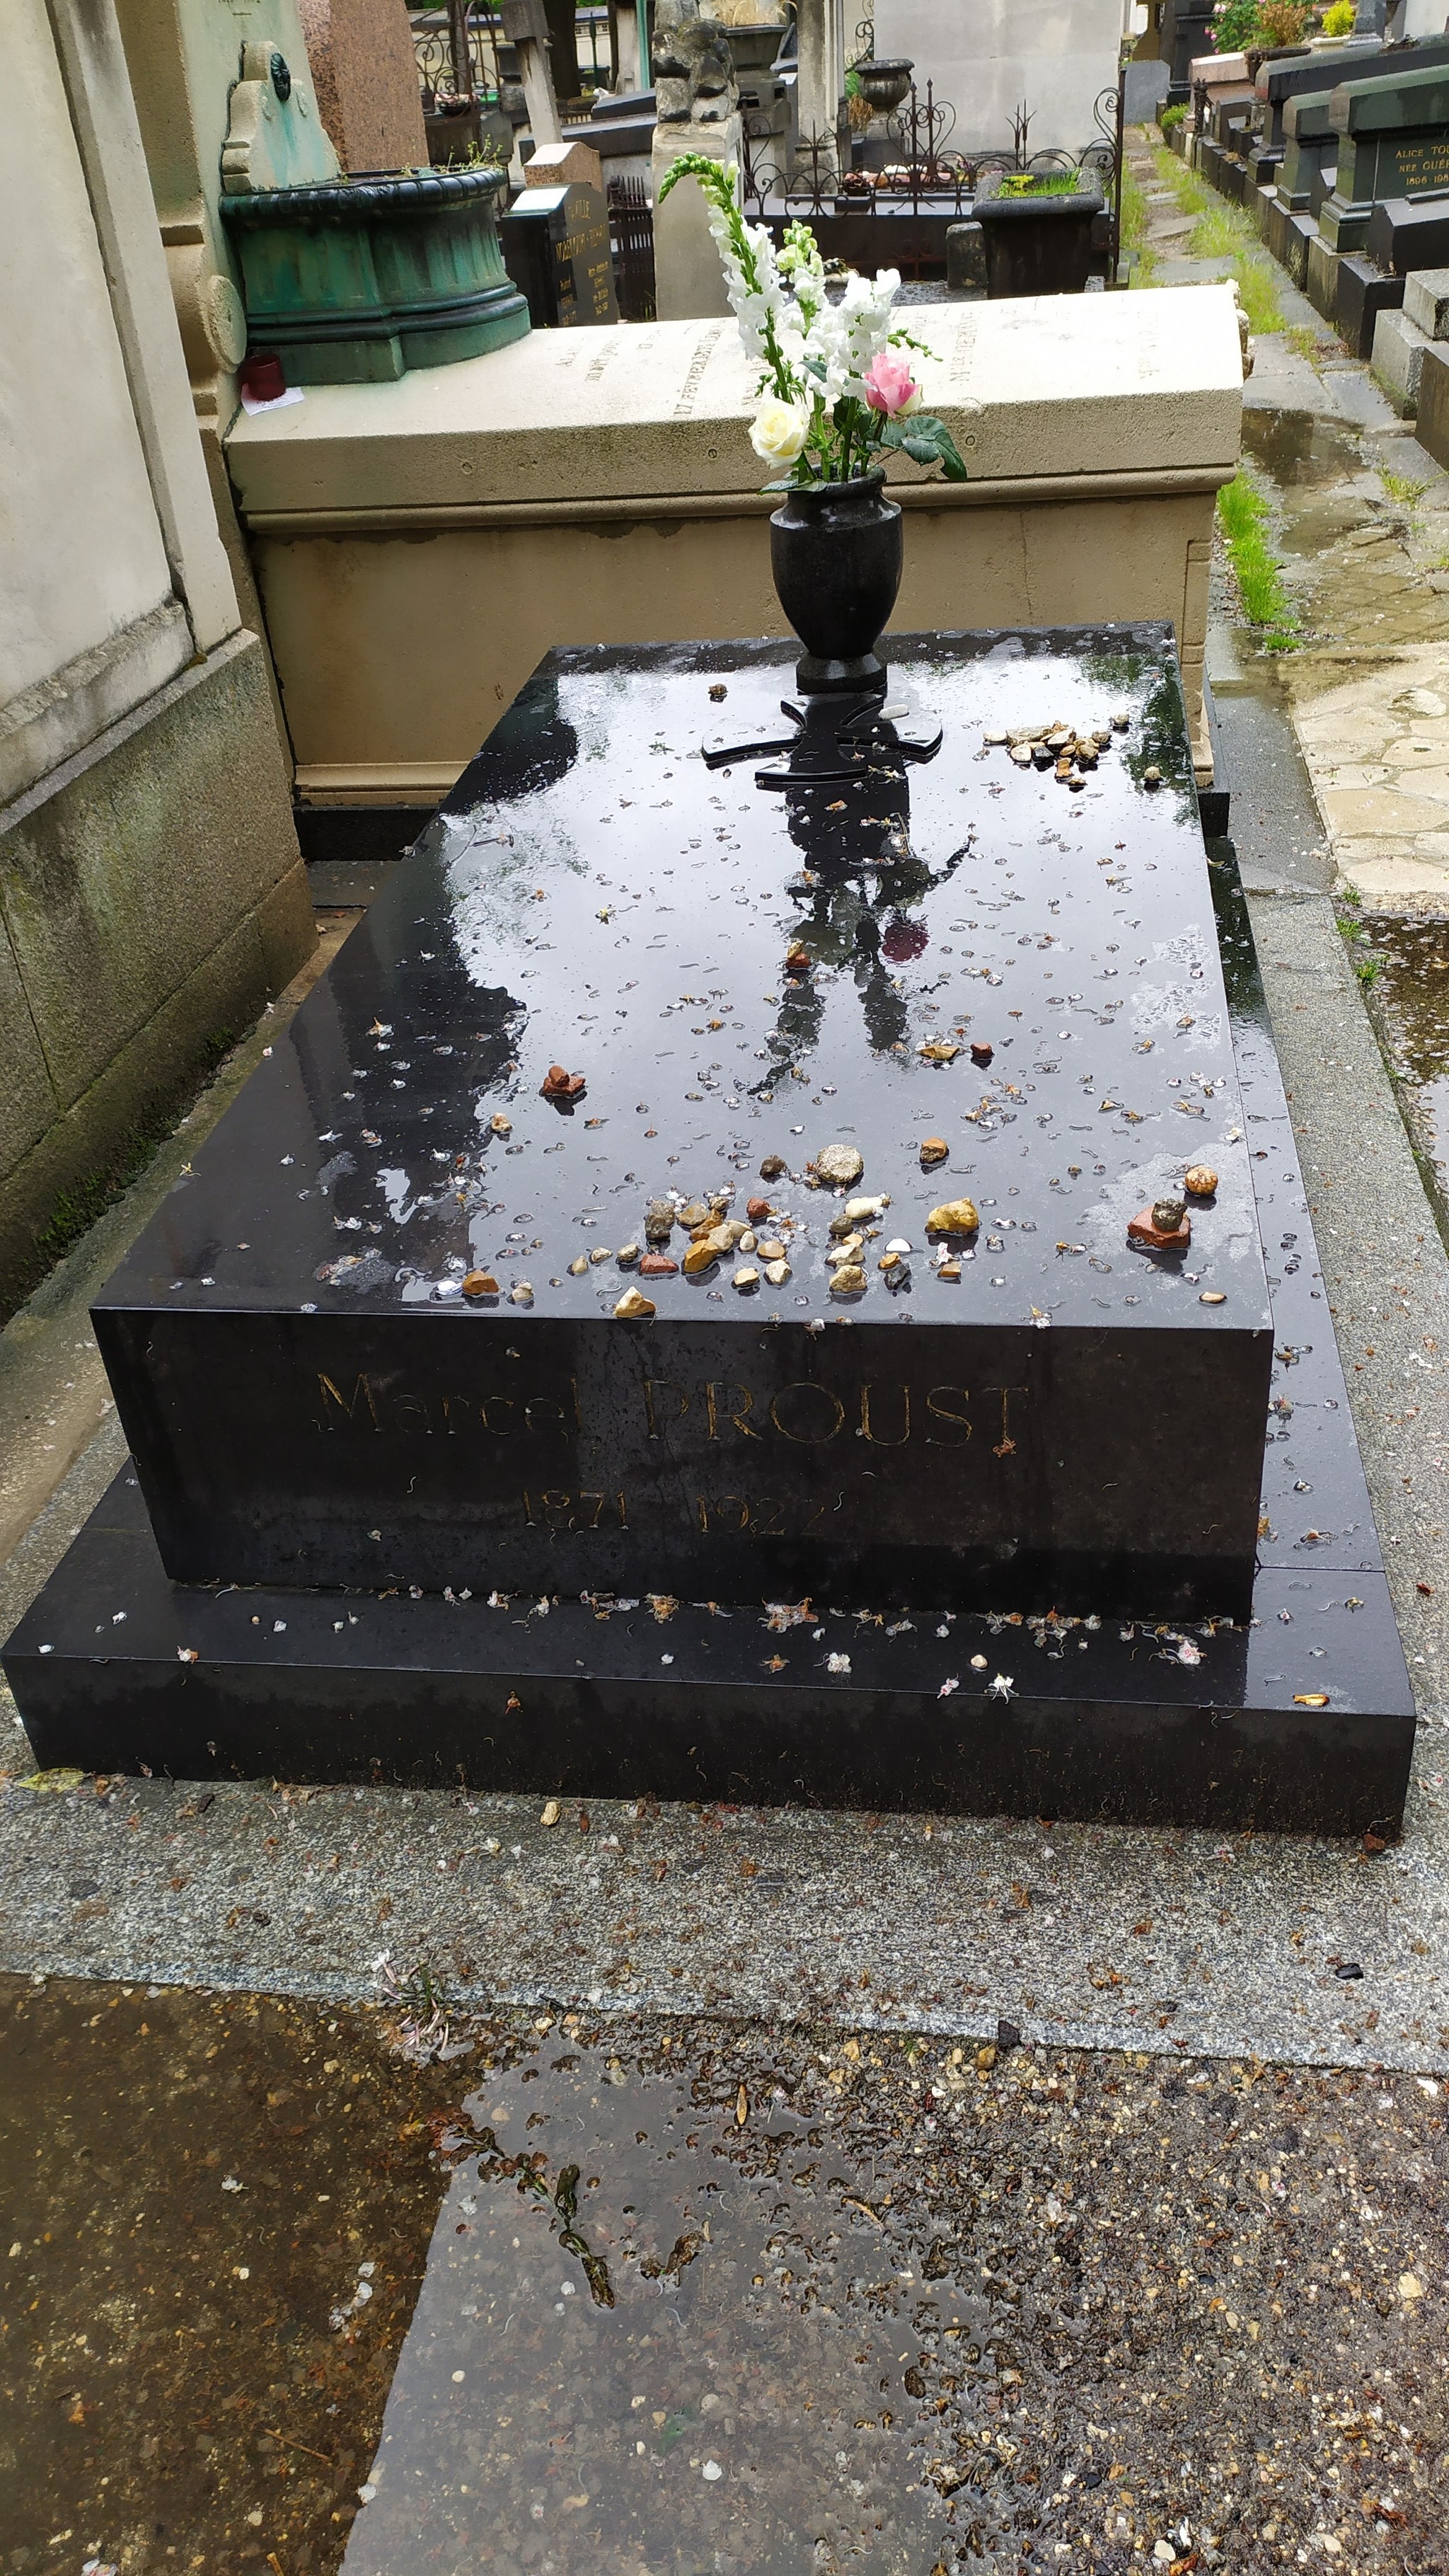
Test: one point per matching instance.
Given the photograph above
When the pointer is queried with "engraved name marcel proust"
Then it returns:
(720, 1455)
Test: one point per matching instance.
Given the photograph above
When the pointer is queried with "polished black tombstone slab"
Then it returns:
(1300, 1719)
(310, 1399)
(555, 244)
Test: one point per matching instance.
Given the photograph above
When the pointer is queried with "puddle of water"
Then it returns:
(1411, 997)
(191, 2188)
(1301, 448)
(668, 2327)
(279, 2301)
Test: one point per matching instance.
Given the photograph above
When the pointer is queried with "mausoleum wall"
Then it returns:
(419, 545)
(151, 893)
(1050, 58)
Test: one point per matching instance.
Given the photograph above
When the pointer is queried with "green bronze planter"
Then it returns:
(357, 280)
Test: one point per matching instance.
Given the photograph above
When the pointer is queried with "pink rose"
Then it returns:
(890, 387)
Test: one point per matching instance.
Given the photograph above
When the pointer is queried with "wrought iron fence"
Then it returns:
(929, 176)
(458, 48)
(631, 241)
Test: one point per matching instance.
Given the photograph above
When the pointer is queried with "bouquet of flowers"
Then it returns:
(835, 385)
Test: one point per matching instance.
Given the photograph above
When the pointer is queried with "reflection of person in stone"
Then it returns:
(694, 73)
(860, 908)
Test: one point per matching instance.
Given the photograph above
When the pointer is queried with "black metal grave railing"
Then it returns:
(631, 240)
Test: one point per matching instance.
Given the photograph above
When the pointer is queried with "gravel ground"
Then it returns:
(633, 2293)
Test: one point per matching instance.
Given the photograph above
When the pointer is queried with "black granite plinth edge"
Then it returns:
(117, 1669)
(309, 1396)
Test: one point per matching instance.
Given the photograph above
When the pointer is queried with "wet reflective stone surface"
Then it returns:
(1295, 1716)
(659, 2297)
(617, 969)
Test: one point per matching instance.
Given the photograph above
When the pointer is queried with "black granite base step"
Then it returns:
(119, 1670)
(1291, 1712)
(1300, 1721)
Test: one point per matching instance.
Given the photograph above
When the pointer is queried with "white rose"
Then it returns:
(779, 431)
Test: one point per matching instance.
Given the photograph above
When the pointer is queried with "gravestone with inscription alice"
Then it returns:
(1393, 142)
(746, 1278)
(555, 242)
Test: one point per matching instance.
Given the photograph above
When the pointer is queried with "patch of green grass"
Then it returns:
(1134, 230)
(1040, 183)
(1242, 513)
(1224, 232)
(1401, 487)
(1353, 933)
(1306, 342)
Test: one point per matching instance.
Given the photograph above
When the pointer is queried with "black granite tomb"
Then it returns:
(1013, 1522)
(1406, 233)
(310, 1394)
(555, 245)
(1363, 292)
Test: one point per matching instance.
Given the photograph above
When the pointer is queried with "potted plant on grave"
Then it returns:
(1036, 227)
(835, 394)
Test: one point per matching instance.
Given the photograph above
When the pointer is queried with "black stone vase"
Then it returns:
(835, 550)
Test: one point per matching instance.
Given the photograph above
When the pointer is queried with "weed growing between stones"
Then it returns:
(1242, 512)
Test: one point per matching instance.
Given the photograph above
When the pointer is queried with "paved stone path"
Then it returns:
(1362, 512)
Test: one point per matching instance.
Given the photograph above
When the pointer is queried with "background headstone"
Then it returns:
(525, 26)
(365, 72)
(556, 248)
(1394, 142)
(688, 278)
(697, 110)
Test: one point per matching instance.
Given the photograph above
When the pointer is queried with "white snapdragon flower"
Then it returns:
(865, 319)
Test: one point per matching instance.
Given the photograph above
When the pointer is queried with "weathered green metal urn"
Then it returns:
(353, 280)
(356, 280)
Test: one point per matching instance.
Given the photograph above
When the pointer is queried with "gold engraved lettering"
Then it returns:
(1005, 1447)
(361, 1394)
(411, 1414)
(716, 1394)
(944, 1411)
(874, 1437)
(808, 1412)
(562, 1511)
(542, 1412)
(665, 1387)
(735, 1514)
(499, 1403)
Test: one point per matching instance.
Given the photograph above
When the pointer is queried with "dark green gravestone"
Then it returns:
(1394, 142)
(1311, 141)
(556, 248)
(1278, 82)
